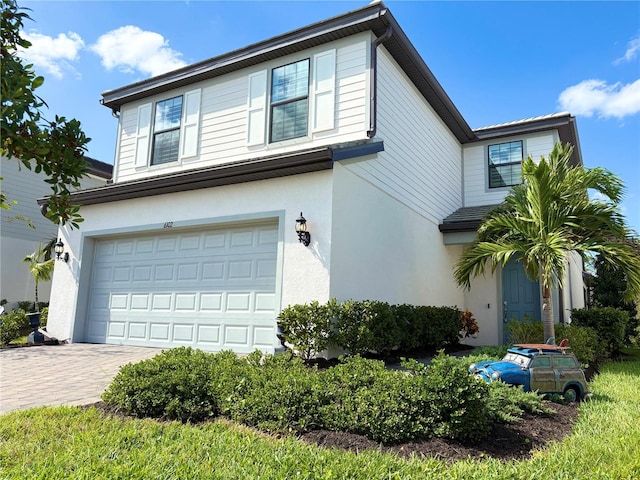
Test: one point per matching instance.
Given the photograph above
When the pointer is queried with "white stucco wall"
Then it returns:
(574, 290)
(303, 271)
(386, 250)
(484, 300)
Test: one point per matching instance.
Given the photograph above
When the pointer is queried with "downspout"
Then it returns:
(373, 86)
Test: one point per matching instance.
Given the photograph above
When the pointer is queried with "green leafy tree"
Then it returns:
(41, 266)
(54, 147)
(546, 218)
(608, 288)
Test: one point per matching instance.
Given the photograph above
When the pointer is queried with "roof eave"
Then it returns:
(565, 124)
(375, 18)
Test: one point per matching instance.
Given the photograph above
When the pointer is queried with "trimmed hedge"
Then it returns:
(280, 394)
(609, 323)
(370, 326)
(583, 341)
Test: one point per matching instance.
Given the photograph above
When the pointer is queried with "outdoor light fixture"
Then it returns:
(60, 253)
(301, 229)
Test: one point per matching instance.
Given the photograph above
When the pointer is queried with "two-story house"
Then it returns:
(23, 228)
(195, 242)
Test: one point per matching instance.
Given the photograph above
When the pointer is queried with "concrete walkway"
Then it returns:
(73, 374)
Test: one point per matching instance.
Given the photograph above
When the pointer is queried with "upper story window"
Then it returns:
(166, 131)
(505, 164)
(290, 101)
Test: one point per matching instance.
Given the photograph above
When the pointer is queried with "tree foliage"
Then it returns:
(549, 216)
(54, 147)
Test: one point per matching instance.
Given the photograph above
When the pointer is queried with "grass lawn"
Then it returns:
(66, 442)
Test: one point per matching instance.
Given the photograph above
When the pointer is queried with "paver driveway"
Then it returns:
(73, 374)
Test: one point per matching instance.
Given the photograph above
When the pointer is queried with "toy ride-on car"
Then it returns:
(537, 367)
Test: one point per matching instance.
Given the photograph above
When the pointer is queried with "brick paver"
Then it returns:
(73, 374)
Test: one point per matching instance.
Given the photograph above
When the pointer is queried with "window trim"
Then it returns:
(490, 167)
(298, 98)
(153, 131)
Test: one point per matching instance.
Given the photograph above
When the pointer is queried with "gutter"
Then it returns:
(373, 79)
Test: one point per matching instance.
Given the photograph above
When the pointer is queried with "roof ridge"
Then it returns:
(525, 121)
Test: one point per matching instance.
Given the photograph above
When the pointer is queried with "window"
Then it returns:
(166, 131)
(565, 362)
(505, 164)
(541, 362)
(289, 101)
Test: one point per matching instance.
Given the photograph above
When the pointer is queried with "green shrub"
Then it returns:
(367, 326)
(525, 332)
(179, 384)
(493, 351)
(15, 324)
(274, 393)
(507, 403)
(438, 326)
(362, 396)
(308, 327)
(583, 341)
(456, 401)
(370, 326)
(609, 323)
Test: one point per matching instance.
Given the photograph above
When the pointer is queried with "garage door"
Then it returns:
(212, 289)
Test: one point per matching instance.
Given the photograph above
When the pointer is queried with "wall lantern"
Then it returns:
(301, 228)
(60, 253)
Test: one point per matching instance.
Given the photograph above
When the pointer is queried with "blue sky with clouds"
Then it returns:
(498, 61)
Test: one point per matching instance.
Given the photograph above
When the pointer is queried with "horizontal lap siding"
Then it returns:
(351, 88)
(476, 191)
(420, 165)
(223, 114)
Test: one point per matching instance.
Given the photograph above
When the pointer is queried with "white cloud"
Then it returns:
(129, 49)
(633, 49)
(53, 55)
(595, 97)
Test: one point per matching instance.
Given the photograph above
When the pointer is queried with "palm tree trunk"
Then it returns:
(35, 306)
(547, 314)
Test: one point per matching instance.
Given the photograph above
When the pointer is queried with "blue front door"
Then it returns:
(520, 296)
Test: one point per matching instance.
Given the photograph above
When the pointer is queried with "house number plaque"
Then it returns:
(168, 224)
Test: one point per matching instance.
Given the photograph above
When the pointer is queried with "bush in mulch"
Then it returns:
(281, 394)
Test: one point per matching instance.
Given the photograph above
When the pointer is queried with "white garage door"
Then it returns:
(211, 289)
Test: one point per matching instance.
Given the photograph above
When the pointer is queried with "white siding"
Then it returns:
(224, 115)
(421, 163)
(476, 185)
(17, 238)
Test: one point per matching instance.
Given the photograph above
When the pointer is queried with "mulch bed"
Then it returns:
(513, 441)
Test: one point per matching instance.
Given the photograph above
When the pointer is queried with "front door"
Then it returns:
(520, 296)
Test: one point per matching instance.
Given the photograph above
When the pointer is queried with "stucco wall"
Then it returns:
(303, 271)
(386, 250)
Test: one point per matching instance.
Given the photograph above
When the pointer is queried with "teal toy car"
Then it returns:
(547, 369)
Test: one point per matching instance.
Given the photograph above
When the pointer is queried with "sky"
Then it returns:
(497, 61)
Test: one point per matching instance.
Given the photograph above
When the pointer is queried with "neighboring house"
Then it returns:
(194, 243)
(23, 227)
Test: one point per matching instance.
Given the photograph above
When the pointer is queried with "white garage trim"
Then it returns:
(213, 285)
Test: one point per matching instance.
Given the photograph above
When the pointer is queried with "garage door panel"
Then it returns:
(209, 289)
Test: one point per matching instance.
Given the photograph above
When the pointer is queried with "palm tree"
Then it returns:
(40, 265)
(546, 218)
